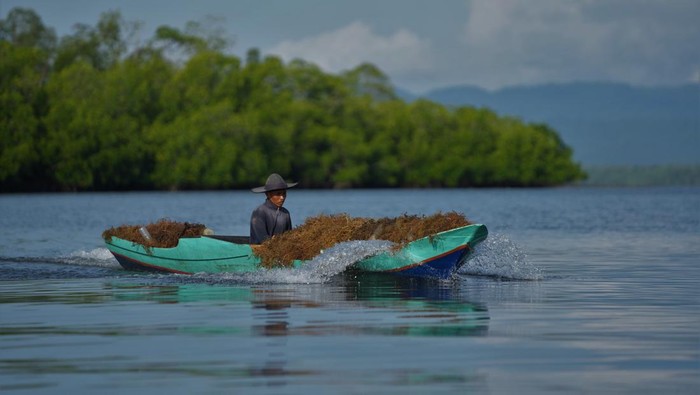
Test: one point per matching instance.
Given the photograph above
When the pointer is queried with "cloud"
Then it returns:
(396, 54)
(645, 42)
(498, 43)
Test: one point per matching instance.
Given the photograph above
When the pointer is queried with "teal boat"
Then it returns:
(439, 255)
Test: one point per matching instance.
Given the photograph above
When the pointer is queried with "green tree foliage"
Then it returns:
(94, 113)
(25, 49)
(101, 46)
(24, 28)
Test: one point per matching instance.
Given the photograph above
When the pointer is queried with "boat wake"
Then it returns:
(320, 269)
(81, 264)
(99, 257)
(498, 256)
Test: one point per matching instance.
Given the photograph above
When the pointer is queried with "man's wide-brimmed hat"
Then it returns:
(274, 182)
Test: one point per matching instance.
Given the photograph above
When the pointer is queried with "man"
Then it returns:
(270, 218)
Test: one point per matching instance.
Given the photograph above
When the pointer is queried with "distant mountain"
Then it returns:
(605, 123)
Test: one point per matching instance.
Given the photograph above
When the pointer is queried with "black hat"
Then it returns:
(274, 182)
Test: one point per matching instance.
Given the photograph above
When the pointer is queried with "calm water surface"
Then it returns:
(574, 291)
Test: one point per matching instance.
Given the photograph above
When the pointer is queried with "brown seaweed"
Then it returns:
(164, 233)
(321, 232)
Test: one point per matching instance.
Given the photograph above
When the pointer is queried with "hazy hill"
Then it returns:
(605, 123)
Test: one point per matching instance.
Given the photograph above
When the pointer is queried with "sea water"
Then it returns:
(576, 290)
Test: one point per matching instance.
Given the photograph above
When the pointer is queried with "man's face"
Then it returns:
(277, 197)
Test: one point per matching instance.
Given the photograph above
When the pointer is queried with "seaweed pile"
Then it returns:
(164, 233)
(321, 232)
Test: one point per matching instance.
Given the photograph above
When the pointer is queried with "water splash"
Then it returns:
(320, 269)
(498, 256)
(98, 257)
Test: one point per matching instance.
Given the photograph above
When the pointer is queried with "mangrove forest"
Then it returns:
(105, 109)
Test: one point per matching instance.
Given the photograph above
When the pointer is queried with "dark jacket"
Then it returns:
(268, 220)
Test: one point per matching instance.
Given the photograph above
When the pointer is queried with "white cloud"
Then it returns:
(512, 42)
(356, 43)
(520, 42)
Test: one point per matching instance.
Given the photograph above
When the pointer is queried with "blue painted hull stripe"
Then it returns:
(430, 260)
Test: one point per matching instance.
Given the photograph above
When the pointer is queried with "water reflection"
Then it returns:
(353, 304)
(165, 325)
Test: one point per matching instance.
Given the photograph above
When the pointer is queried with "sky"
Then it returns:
(429, 44)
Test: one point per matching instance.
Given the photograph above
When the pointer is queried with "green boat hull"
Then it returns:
(439, 255)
